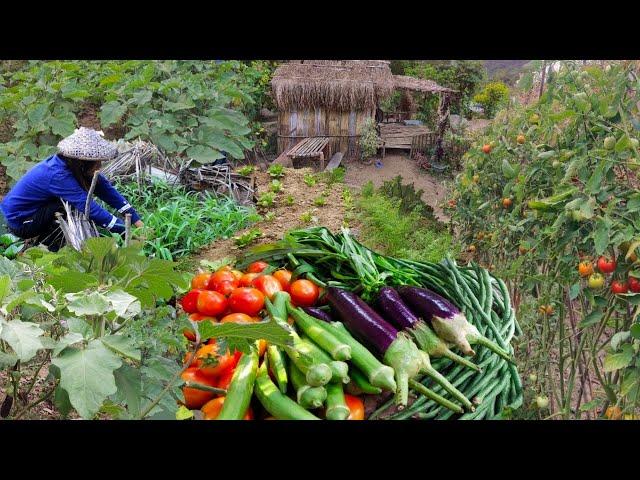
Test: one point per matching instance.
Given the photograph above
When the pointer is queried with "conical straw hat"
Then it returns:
(87, 144)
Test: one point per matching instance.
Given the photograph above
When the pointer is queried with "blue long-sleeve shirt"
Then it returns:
(51, 179)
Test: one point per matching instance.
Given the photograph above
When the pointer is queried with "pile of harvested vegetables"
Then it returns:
(360, 324)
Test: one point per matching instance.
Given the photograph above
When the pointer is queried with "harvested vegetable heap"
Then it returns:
(360, 323)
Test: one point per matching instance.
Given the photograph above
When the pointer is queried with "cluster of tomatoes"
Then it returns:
(229, 295)
(607, 266)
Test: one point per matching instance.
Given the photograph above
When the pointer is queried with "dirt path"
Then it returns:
(395, 164)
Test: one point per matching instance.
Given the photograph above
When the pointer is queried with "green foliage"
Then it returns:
(310, 179)
(289, 200)
(410, 199)
(276, 171)
(389, 230)
(574, 197)
(332, 177)
(320, 201)
(248, 238)
(267, 199)
(492, 96)
(194, 109)
(276, 186)
(368, 141)
(461, 75)
(183, 221)
(247, 170)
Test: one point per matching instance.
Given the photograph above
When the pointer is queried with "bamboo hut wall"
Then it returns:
(343, 128)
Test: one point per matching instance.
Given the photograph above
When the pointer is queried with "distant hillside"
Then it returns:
(505, 70)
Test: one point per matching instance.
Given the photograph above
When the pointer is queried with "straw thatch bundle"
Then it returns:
(335, 85)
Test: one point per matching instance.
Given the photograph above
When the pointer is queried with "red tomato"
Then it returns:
(268, 285)
(212, 364)
(211, 303)
(194, 398)
(619, 287)
(238, 318)
(248, 278)
(606, 265)
(190, 301)
(634, 284)
(304, 293)
(238, 274)
(198, 317)
(225, 288)
(220, 277)
(200, 281)
(284, 277)
(257, 267)
(225, 379)
(212, 409)
(246, 300)
(356, 407)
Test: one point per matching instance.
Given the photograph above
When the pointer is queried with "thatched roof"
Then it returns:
(333, 84)
(341, 85)
(402, 82)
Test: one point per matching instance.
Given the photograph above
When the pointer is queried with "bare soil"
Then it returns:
(287, 217)
(394, 164)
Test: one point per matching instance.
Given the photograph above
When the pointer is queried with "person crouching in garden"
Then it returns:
(30, 207)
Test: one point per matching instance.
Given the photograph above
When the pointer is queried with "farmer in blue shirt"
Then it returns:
(31, 205)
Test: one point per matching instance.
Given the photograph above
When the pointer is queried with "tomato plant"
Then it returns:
(574, 191)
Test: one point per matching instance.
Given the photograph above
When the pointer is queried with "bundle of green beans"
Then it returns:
(339, 260)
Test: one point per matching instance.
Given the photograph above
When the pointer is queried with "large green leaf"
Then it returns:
(631, 384)
(111, 112)
(68, 339)
(238, 335)
(601, 236)
(87, 376)
(616, 361)
(83, 303)
(22, 337)
(63, 124)
(204, 154)
(99, 248)
(124, 304)
(129, 383)
(122, 345)
(7, 359)
(5, 286)
(72, 281)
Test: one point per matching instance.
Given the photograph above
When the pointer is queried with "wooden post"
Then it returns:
(443, 118)
(94, 181)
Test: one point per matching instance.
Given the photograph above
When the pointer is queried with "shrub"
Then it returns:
(368, 141)
(491, 97)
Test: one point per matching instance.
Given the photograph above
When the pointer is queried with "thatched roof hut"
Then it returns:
(335, 85)
(334, 98)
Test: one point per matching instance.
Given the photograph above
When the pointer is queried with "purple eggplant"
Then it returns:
(318, 313)
(390, 305)
(447, 320)
(396, 348)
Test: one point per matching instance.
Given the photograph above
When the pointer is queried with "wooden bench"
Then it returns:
(309, 148)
